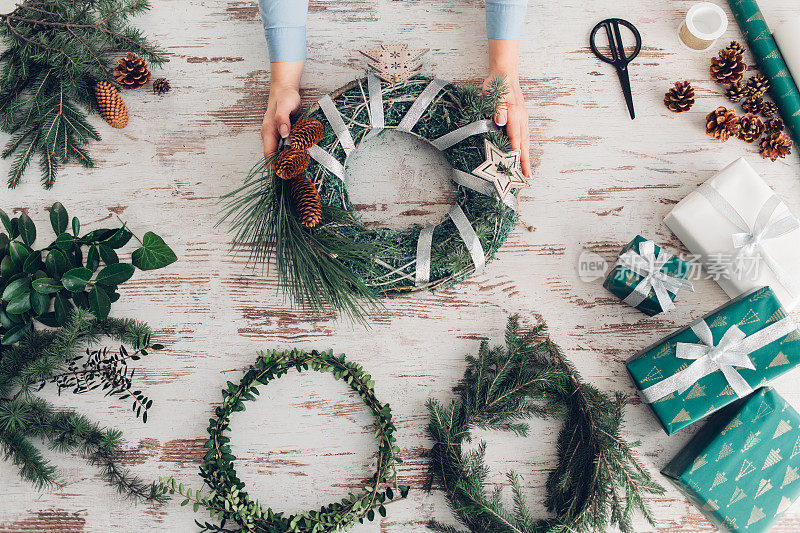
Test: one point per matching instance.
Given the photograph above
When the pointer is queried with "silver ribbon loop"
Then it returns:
(733, 351)
(647, 265)
(421, 104)
(337, 123)
(469, 237)
(748, 244)
(327, 160)
(456, 136)
(481, 186)
(375, 95)
(423, 268)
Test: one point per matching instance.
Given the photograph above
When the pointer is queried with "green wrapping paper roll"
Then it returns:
(782, 87)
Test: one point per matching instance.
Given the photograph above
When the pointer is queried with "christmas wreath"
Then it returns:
(231, 503)
(597, 483)
(296, 206)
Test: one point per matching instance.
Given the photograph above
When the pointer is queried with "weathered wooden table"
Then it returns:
(600, 179)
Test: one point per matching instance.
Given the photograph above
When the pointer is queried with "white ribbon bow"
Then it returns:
(749, 243)
(733, 351)
(647, 265)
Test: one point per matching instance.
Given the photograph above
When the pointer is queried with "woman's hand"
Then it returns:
(284, 99)
(511, 113)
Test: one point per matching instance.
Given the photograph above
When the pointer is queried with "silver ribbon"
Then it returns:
(469, 237)
(423, 268)
(456, 136)
(421, 104)
(748, 244)
(481, 186)
(336, 122)
(375, 95)
(327, 160)
(648, 265)
(732, 351)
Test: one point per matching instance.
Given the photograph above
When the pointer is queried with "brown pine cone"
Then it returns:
(305, 201)
(111, 105)
(753, 104)
(736, 91)
(738, 48)
(773, 125)
(680, 98)
(291, 163)
(751, 128)
(769, 109)
(727, 67)
(161, 86)
(722, 123)
(131, 71)
(776, 145)
(306, 133)
(758, 85)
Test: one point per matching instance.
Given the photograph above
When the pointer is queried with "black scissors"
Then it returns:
(618, 57)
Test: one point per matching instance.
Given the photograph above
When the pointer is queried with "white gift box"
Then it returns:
(744, 235)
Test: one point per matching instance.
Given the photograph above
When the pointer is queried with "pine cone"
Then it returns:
(722, 123)
(738, 48)
(769, 109)
(776, 145)
(773, 125)
(736, 91)
(751, 128)
(680, 98)
(306, 133)
(758, 85)
(111, 105)
(131, 71)
(305, 201)
(291, 163)
(161, 86)
(753, 104)
(727, 67)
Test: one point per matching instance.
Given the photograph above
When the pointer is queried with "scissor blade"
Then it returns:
(625, 81)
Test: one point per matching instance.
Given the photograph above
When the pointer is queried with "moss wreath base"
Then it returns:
(229, 502)
(343, 265)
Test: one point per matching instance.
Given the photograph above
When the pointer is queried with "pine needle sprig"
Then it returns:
(597, 483)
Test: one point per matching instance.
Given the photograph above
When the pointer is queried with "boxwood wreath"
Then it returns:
(340, 263)
(230, 502)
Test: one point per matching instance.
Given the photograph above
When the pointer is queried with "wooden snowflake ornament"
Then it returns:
(395, 63)
(502, 169)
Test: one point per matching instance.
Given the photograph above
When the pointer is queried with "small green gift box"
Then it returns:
(743, 468)
(717, 359)
(647, 277)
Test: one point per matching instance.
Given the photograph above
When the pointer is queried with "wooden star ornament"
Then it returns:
(395, 63)
(502, 169)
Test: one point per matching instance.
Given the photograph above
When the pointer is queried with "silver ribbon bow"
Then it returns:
(649, 266)
(733, 351)
(748, 243)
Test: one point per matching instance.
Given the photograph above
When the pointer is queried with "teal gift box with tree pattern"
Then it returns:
(742, 469)
(716, 360)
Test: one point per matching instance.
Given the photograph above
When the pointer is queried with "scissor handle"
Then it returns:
(618, 57)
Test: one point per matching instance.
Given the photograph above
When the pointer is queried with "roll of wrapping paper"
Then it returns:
(770, 61)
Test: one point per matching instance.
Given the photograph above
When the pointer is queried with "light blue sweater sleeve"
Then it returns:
(285, 24)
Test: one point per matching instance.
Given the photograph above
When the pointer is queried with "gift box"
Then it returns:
(746, 237)
(647, 277)
(743, 468)
(716, 359)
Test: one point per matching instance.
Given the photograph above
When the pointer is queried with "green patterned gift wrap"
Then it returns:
(743, 468)
(622, 281)
(758, 317)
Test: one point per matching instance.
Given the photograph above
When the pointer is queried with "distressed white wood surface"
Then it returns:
(601, 178)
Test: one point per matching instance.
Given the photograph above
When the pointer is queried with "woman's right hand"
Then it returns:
(284, 99)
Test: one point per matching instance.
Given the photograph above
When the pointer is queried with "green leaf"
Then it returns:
(56, 263)
(115, 274)
(27, 229)
(32, 263)
(40, 303)
(65, 241)
(153, 254)
(14, 334)
(58, 218)
(107, 254)
(99, 302)
(93, 258)
(6, 222)
(62, 308)
(19, 252)
(46, 285)
(75, 280)
(16, 288)
(20, 304)
(7, 267)
(76, 226)
(119, 239)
